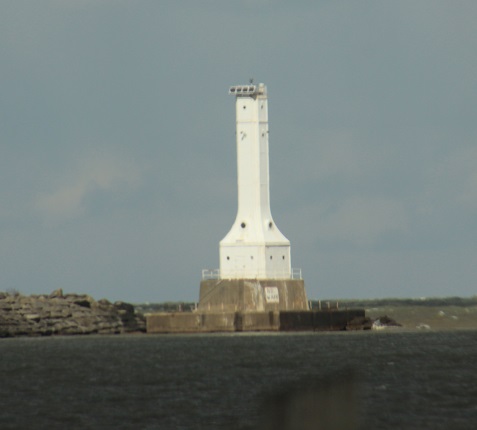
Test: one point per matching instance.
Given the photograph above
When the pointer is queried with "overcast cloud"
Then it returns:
(117, 143)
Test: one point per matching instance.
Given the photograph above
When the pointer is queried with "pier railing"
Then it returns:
(295, 273)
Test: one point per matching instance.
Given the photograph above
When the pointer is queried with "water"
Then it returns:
(405, 380)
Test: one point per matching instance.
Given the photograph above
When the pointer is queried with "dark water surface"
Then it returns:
(406, 380)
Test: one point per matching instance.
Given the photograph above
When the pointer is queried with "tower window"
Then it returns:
(243, 225)
(228, 258)
(271, 257)
(270, 224)
(283, 257)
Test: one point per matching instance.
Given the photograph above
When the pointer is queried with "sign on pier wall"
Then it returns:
(271, 295)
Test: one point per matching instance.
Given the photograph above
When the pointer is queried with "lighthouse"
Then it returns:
(255, 273)
(254, 248)
(255, 288)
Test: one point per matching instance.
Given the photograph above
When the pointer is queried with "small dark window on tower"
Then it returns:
(270, 224)
(245, 107)
(243, 225)
(283, 257)
(271, 257)
(228, 258)
(251, 257)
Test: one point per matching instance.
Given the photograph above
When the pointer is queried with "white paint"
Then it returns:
(254, 248)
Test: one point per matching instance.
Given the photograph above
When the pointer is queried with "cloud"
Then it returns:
(371, 152)
(451, 182)
(356, 222)
(464, 166)
(94, 173)
(363, 221)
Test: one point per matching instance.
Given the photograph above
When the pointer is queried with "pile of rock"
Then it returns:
(59, 314)
(367, 323)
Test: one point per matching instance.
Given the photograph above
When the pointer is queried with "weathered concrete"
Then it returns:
(190, 322)
(252, 295)
(203, 322)
(319, 320)
(260, 321)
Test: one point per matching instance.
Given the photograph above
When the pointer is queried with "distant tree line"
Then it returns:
(395, 302)
(145, 308)
(328, 304)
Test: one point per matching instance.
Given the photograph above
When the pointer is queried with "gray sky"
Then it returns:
(117, 143)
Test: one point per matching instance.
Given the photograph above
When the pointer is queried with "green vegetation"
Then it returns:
(395, 302)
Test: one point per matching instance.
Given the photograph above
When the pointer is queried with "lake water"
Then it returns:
(404, 380)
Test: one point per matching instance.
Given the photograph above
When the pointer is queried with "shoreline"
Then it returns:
(58, 314)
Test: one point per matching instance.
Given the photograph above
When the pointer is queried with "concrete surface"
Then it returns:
(198, 322)
(252, 295)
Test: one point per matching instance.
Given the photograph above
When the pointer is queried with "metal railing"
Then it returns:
(295, 273)
(210, 274)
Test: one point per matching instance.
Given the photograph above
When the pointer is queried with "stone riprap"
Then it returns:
(65, 314)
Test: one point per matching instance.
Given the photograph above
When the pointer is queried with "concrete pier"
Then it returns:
(252, 295)
(273, 321)
(248, 305)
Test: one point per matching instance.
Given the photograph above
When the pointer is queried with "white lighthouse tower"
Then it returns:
(255, 272)
(255, 288)
(254, 248)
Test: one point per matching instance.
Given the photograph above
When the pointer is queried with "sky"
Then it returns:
(117, 143)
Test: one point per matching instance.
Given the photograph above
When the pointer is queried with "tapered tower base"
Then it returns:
(252, 295)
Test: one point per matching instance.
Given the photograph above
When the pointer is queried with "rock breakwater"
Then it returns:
(367, 323)
(65, 314)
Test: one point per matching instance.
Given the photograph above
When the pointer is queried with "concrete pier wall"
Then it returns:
(197, 322)
(252, 295)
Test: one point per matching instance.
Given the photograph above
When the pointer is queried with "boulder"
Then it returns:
(56, 293)
(367, 323)
(384, 322)
(360, 323)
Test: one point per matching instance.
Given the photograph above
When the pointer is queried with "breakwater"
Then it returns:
(207, 322)
(65, 314)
